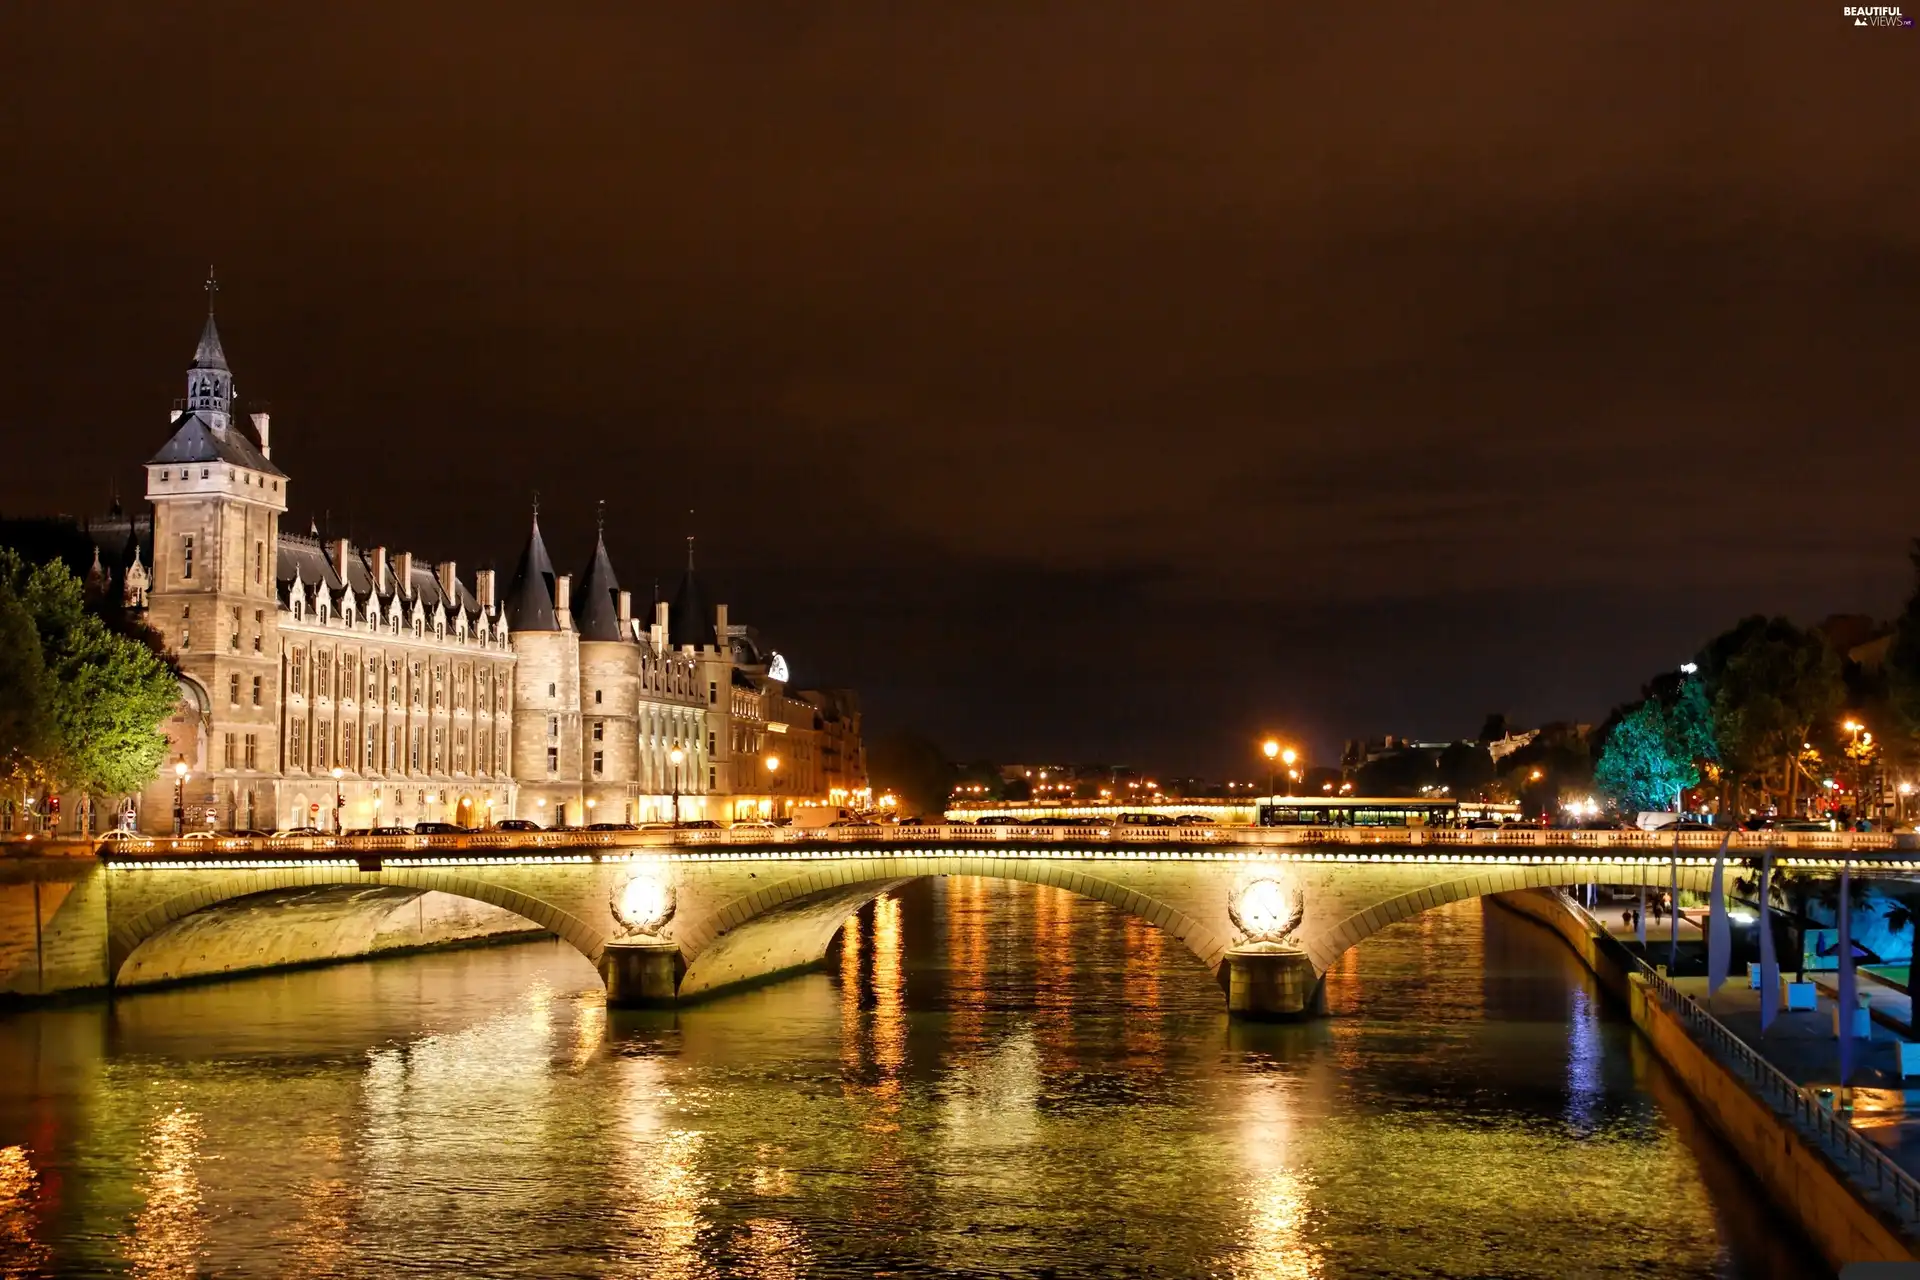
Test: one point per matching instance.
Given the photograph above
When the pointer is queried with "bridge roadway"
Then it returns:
(673, 916)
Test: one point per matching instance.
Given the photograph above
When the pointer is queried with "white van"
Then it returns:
(814, 817)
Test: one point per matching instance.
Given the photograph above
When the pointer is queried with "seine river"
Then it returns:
(989, 1079)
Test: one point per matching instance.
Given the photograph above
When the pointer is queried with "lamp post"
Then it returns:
(1271, 750)
(179, 798)
(1287, 758)
(674, 757)
(773, 780)
(339, 799)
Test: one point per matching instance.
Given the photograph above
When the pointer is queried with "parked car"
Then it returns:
(385, 831)
(753, 824)
(611, 826)
(517, 824)
(438, 829)
(286, 832)
(118, 834)
(700, 824)
(246, 833)
(1185, 820)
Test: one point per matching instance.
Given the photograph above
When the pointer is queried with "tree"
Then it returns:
(1645, 763)
(1903, 655)
(1775, 687)
(914, 769)
(87, 716)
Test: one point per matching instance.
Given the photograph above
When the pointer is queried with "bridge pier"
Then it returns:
(1271, 985)
(641, 975)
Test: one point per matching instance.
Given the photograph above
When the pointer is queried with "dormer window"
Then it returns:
(163, 475)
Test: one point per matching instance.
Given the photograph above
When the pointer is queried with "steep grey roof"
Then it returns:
(529, 600)
(312, 560)
(208, 354)
(689, 621)
(197, 440)
(597, 615)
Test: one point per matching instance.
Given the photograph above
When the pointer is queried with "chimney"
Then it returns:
(483, 589)
(403, 571)
(260, 429)
(720, 627)
(563, 601)
(660, 615)
(379, 570)
(626, 612)
(449, 580)
(339, 547)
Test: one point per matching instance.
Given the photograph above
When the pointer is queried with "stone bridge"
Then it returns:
(676, 922)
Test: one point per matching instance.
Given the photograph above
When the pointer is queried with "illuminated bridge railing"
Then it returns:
(1856, 1154)
(1522, 844)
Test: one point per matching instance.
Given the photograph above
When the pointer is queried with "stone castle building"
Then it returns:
(336, 686)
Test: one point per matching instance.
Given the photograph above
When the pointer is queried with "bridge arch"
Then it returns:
(126, 935)
(788, 924)
(1328, 944)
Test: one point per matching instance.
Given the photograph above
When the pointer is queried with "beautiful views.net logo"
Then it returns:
(1875, 15)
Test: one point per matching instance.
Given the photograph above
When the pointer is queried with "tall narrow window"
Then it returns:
(713, 693)
(553, 759)
(553, 727)
(259, 562)
(599, 761)
(233, 690)
(186, 555)
(253, 751)
(295, 745)
(599, 730)
(256, 691)
(228, 755)
(233, 640)
(553, 690)
(596, 697)
(297, 676)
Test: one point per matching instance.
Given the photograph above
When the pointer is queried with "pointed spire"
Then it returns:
(208, 354)
(689, 621)
(596, 613)
(529, 603)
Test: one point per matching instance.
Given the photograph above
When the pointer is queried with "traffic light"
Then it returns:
(53, 806)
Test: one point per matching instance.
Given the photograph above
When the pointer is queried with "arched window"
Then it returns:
(296, 608)
(393, 624)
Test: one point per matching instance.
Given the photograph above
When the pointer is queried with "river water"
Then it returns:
(987, 1079)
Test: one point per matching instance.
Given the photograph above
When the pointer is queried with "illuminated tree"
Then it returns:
(1646, 762)
(81, 705)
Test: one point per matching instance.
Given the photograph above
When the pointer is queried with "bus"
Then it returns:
(1382, 811)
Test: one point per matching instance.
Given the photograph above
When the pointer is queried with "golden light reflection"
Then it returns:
(775, 1250)
(1141, 990)
(889, 987)
(850, 1019)
(658, 1187)
(321, 1241)
(1276, 1246)
(21, 1253)
(967, 957)
(169, 1231)
(1053, 995)
(589, 1026)
(1274, 1240)
(769, 1178)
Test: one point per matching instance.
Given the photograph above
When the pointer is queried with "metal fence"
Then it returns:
(1857, 1156)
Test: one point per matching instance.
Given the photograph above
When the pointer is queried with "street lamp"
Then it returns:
(1287, 758)
(675, 756)
(339, 798)
(773, 780)
(1271, 750)
(179, 798)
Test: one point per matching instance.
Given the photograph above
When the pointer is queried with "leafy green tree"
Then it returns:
(89, 718)
(1775, 688)
(1645, 763)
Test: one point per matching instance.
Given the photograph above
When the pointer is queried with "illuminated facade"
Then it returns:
(341, 687)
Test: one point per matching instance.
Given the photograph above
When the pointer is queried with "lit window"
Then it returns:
(186, 555)
(599, 761)
(553, 759)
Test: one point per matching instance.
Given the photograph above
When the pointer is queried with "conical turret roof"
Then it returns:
(597, 615)
(689, 620)
(529, 602)
(208, 354)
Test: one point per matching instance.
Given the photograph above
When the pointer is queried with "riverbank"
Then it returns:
(1851, 1201)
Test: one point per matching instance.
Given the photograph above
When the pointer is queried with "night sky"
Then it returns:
(1105, 381)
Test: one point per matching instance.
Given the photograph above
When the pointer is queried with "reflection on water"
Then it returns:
(984, 1079)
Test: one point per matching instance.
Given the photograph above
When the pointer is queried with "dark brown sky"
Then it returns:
(1110, 380)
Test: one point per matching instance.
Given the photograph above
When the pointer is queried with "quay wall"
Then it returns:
(1796, 1175)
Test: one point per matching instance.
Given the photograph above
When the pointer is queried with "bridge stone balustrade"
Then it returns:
(742, 913)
